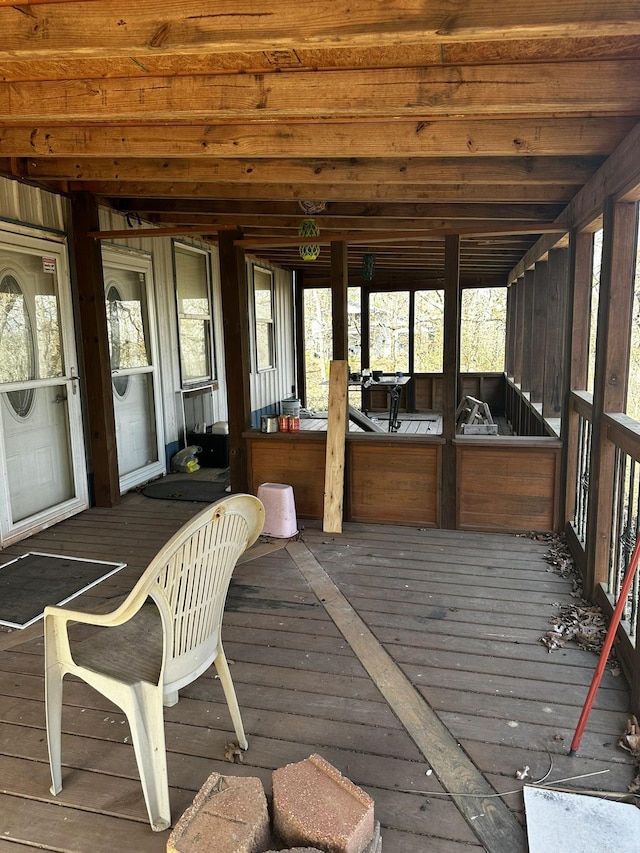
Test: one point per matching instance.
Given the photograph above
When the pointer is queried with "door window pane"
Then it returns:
(17, 346)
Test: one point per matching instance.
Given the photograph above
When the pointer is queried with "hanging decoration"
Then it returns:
(368, 266)
(309, 228)
(312, 207)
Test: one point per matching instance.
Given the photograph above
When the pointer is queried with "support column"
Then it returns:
(339, 285)
(527, 329)
(95, 351)
(235, 313)
(556, 329)
(539, 329)
(612, 364)
(298, 311)
(575, 358)
(451, 369)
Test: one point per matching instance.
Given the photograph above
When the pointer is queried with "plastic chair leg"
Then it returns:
(222, 668)
(144, 711)
(53, 710)
(170, 699)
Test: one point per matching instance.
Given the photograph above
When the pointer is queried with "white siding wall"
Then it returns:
(30, 206)
(267, 387)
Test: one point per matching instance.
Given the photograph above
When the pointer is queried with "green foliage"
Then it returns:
(482, 333)
(482, 329)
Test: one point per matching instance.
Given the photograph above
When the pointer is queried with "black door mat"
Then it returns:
(31, 582)
(187, 490)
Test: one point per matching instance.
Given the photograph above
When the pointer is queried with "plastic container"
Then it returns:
(290, 407)
(279, 510)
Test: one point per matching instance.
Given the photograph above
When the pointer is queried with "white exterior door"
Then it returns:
(42, 457)
(134, 372)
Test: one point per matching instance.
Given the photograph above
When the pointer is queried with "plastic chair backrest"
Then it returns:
(188, 580)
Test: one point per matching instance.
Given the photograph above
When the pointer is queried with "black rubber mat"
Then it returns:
(186, 490)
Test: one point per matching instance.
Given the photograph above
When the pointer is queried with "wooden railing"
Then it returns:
(582, 409)
(624, 433)
(621, 435)
(524, 416)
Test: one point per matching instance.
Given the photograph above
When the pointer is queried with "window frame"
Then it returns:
(268, 323)
(209, 344)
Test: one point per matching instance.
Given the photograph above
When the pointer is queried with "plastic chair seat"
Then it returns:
(129, 652)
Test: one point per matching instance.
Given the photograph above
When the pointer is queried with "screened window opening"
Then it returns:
(633, 388)
(483, 315)
(389, 331)
(596, 266)
(428, 331)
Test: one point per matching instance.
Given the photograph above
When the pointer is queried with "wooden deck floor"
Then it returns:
(409, 423)
(459, 614)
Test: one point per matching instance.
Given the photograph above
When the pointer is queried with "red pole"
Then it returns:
(604, 654)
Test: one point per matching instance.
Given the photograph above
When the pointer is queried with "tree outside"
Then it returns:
(482, 334)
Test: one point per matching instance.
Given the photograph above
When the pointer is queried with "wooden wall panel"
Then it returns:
(394, 481)
(427, 389)
(297, 461)
(508, 484)
(489, 387)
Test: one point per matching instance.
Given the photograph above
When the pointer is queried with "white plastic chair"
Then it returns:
(161, 638)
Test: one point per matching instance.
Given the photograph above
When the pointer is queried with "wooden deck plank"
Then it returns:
(428, 597)
(51, 826)
(498, 831)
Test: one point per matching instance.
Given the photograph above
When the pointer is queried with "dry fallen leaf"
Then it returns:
(523, 773)
(233, 753)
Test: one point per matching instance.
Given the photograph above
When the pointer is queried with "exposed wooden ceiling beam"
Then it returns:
(291, 211)
(375, 237)
(570, 89)
(38, 65)
(361, 192)
(280, 225)
(185, 25)
(440, 138)
(413, 171)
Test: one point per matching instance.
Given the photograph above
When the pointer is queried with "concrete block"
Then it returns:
(229, 815)
(315, 805)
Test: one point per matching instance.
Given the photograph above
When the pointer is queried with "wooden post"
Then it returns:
(575, 359)
(517, 331)
(339, 285)
(538, 329)
(527, 329)
(235, 311)
(298, 296)
(508, 344)
(451, 365)
(555, 331)
(95, 349)
(612, 364)
(336, 440)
